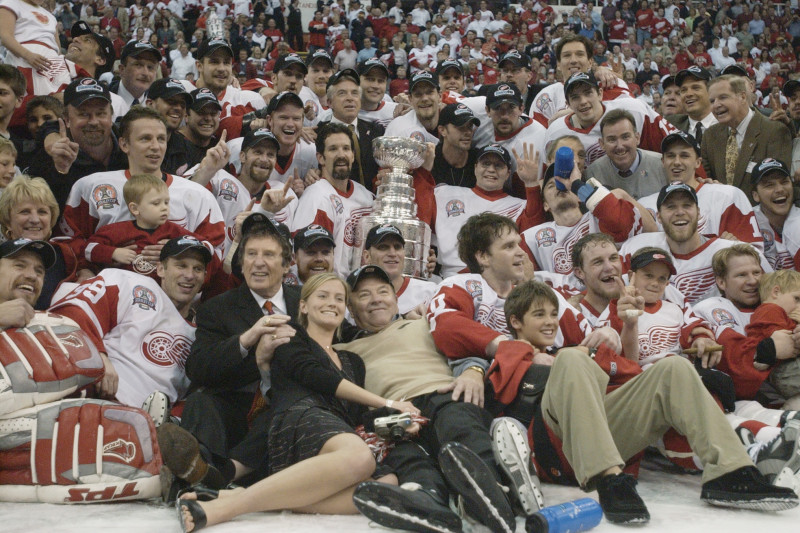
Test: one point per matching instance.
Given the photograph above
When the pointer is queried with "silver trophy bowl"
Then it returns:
(394, 203)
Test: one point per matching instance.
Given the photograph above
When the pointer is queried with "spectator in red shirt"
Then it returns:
(644, 23)
(109, 20)
(661, 25)
(317, 31)
(399, 85)
(618, 30)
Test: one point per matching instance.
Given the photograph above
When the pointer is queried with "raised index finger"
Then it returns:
(62, 128)
(288, 184)
(222, 138)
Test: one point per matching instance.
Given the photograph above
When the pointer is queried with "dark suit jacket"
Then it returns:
(215, 361)
(679, 121)
(764, 138)
(367, 132)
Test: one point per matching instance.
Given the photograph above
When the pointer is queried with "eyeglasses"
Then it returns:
(497, 165)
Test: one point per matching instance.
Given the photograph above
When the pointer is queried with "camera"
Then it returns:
(392, 427)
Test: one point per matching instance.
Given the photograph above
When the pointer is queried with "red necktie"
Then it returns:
(269, 308)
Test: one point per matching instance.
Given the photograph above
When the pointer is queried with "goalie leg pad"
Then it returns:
(98, 446)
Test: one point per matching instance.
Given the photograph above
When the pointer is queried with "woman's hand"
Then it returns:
(403, 407)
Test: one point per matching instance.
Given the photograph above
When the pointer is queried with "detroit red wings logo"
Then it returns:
(491, 317)
(562, 256)
(352, 233)
(695, 284)
(164, 349)
(40, 17)
(594, 152)
(658, 341)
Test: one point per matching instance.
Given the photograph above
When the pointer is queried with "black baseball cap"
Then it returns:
(365, 272)
(203, 97)
(768, 165)
(668, 81)
(371, 63)
(257, 136)
(137, 48)
(280, 99)
(284, 62)
(167, 88)
(179, 245)
(43, 248)
(680, 136)
(208, 47)
(698, 72)
(81, 90)
(105, 48)
(458, 115)
(273, 226)
(517, 58)
(652, 256)
(449, 63)
(319, 53)
(423, 77)
(736, 70)
(380, 233)
(673, 188)
(344, 74)
(501, 93)
(309, 235)
(497, 150)
(578, 78)
(790, 87)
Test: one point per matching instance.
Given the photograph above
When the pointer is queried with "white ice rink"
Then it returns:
(673, 500)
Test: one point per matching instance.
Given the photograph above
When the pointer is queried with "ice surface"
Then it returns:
(673, 500)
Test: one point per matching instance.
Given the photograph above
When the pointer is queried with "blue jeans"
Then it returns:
(641, 35)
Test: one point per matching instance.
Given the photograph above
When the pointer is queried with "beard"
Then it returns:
(339, 173)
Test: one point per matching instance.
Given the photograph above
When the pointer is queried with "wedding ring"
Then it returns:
(266, 321)
(274, 336)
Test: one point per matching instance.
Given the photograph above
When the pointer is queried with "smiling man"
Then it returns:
(726, 211)
(22, 266)
(313, 254)
(130, 317)
(170, 99)
(313, 93)
(693, 86)
(743, 137)
(375, 104)
(202, 123)
(625, 166)
(421, 122)
(137, 71)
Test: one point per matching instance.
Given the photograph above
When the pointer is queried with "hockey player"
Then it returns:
(585, 99)
(335, 202)
(313, 92)
(313, 254)
(454, 205)
(420, 123)
(95, 199)
(573, 55)
(550, 244)
(678, 214)
(384, 246)
(562, 431)
(143, 330)
(773, 193)
(725, 211)
(375, 105)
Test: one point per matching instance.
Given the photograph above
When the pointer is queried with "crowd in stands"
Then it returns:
(613, 197)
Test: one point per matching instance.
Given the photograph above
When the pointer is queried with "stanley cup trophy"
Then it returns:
(395, 205)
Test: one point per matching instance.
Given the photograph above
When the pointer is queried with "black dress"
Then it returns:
(306, 413)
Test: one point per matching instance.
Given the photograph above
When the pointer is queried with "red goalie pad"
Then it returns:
(78, 451)
(45, 361)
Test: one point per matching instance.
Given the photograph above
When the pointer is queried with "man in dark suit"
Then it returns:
(235, 330)
(730, 158)
(344, 99)
(693, 84)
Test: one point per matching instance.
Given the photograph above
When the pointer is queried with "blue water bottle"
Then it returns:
(565, 162)
(569, 517)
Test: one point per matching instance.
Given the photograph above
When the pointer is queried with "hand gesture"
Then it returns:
(430, 156)
(237, 224)
(217, 156)
(124, 256)
(297, 184)
(265, 326)
(269, 341)
(528, 165)
(15, 313)
(630, 305)
(64, 151)
(274, 200)
(309, 134)
(312, 176)
(707, 358)
(309, 111)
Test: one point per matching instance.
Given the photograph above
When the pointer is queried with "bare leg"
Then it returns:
(344, 461)
(341, 502)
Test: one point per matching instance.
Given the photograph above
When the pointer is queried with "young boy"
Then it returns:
(147, 198)
(38, 110)
(8, 157)
(12, 91)
(590, 440)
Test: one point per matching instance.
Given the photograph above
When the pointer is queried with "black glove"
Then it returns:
(720, 385)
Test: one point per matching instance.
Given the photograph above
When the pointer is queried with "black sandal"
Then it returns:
(197, 512)
(204, 494)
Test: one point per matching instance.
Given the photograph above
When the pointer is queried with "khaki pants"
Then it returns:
(600, 430)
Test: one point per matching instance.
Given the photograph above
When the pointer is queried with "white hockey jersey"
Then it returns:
(414, 292)
(774, 246)
(303, 158)
(721, 313)
(651, 126)
(96, 200)
(233, 100)
(694, 278)
(339, 213)
(791, 236)
(408, 125)
(383, 115)
(133, 321)
(454, 205)
(722, 208)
